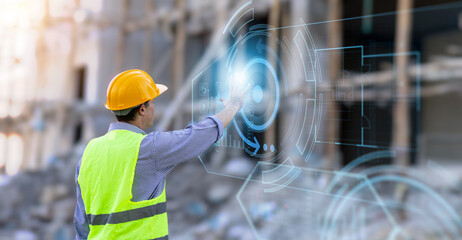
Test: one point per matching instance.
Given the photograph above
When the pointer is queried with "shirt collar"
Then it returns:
(125, 126)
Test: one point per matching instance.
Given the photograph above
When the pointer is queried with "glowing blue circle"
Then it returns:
(265, 147)
(272, 148)
(276, 107)
(257, 94)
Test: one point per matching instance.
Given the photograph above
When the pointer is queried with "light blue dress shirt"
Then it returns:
(159, 153)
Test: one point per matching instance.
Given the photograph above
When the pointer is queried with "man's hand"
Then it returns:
(236, 95)
(234, 102)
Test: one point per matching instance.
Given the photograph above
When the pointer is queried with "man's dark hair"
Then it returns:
(131, 115)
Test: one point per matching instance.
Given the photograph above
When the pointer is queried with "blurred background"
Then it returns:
(364, 143)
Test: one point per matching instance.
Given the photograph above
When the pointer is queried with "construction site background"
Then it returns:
(57, 58)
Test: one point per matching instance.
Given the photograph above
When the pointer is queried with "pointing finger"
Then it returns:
(247, 88)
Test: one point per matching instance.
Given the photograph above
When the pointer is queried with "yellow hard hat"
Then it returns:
(132, 88)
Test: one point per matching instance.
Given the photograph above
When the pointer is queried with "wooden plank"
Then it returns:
(401, 119)
(178, 58)
(121, 37)
(274, 19)
(401, 125)
(147, 49)
(334, 31)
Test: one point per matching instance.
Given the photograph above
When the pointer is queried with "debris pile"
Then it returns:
(201, 205)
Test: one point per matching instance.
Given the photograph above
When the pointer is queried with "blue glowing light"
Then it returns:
(276, 84)
(257, 94)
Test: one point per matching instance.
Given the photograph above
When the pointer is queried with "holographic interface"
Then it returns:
(290, 70)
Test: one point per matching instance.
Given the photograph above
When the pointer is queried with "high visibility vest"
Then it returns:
(106, 179)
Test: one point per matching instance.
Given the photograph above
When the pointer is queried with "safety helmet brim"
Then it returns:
(162, 88)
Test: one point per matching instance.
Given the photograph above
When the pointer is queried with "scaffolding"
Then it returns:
(57, 98)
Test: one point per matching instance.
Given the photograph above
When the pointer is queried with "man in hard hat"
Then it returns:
(121, 176)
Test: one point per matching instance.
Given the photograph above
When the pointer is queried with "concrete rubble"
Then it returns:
(201, 205)
(40, 205)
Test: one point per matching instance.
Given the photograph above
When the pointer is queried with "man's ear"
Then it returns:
(142, 110)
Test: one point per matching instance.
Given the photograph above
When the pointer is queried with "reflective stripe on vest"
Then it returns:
(127, 216)
(106, 178)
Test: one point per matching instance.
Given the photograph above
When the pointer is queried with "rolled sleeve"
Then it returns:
(171, 148)
(219, 124)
